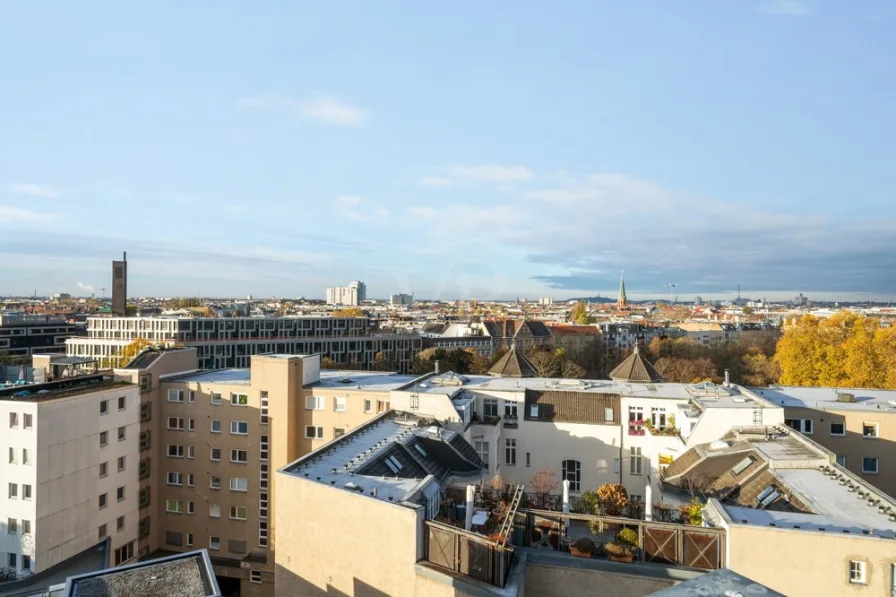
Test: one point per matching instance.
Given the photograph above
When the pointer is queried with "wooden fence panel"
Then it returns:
(702, 550)
(661, 545)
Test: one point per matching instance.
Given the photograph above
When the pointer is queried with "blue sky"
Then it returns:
(462, 149)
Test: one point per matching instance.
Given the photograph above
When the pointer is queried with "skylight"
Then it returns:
(421, 450)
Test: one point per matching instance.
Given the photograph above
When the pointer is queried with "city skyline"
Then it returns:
(463, 152)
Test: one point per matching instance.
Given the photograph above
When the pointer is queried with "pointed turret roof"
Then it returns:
(621, 300)
(513, 364)
(635, 369)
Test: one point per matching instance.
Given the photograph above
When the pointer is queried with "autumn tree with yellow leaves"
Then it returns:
(847, 350)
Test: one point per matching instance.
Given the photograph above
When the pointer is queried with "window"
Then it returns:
(216, 398)
(214, 543)
(635, 413)
(191, 507)
(121, 463)
(144, 497)
(857, 572)
(12, 455)
(26, 527)
(768, 496)
(102, 501)
(240, 456)
(238, 513)
(26, 492)
(124, 553)
(143, 527)
(869, 466)
(838, 428)
(528, 459)
(339, 404)
(312, 432)
(214, 511)
(12, 526)
(192, 396)
(189, 539)
(239, 484)
(490, 407)
(26, 458)
(482, 450)
(28, 420)
(338, 432)
(368, 406)
(264, 408)
(658, 417)
(119, 524)
(175, 451)
(145, 442)
(191, 424)
(104, 407)
(119, 494)
(190, 480)
(634, 498)
(236, 546)
(263, 448)
(841, 461)
(239, 400)
(742, 466)
(12, 560)
(216, 426)
(255, 576)
(216, 454)
(175, 478)
(121, 433)
(104, 438)
(415, 401)
(176, 423)
(802, 425)
(869, 429)
(382, 406)
(26, 562)
(533, 411)
(609, 415)
(190, 452)
(145, 383)
(394, 464)
(214, 482)
(175, 395)
(101, 532)
(615, 466)
(510, 451)
(174, 506)
(239, 427)
(314, 403)
(572, 472)
(122, 402)
(13, 419)
(510, 409)
(13, 491)
(636, 468)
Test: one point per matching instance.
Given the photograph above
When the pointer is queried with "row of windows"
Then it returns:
(104, 466)
(190, 395)
(340, 404)
(14, 491)
(102, 531)
(870, 464)
(14, 456)
(27, 421)
(104, 436)
(12, 560)
(13, 525)
(837, 428)
(104, 405)
(189, 424)
(174, 506)
(103, 499)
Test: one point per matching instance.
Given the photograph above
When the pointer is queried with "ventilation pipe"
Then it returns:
(648, 502)
(727, 379)
(468, 520)
(437, 368)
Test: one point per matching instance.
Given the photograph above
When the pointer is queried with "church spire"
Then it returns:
(622, 300)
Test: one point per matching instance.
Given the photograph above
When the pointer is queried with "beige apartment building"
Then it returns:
(68, 471)
(857, 425)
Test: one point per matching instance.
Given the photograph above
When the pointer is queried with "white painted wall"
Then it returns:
(18, 438)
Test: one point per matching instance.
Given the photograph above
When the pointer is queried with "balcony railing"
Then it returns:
(468, 553)
(485, 419)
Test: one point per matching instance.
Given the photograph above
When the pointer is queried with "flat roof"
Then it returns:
(362, 380)
(826, 398)
(60, 388)
(184, 575)
(223, 376)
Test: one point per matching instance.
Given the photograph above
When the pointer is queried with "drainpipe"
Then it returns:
(622, 426)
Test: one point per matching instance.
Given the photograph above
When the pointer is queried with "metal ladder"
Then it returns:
(511, 514)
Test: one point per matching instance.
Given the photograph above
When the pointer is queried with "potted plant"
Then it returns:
(623, 548)
(583, 547)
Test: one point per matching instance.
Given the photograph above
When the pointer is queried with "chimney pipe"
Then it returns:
(437, 367)
(727, 379)
(468, 520)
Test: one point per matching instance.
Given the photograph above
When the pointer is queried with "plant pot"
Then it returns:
(579, 554)
(622, 558)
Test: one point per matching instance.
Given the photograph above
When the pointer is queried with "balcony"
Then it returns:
(636, 427)
(510, 422)
(485, 419)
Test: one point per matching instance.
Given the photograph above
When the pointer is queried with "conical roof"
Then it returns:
(513, 364)
(635, 368)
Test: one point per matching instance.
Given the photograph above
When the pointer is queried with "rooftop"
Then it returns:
(62, 388)
(830, 398)
(362, 380)
(391, 458)
(223, 376)
(184, 575)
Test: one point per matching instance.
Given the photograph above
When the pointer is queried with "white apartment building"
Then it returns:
(398, 300)
(352, 295)
(68, 471)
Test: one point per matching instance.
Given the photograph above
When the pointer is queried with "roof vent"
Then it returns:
(350, 485)
(821, 529)
(846, 397)
(333, 482)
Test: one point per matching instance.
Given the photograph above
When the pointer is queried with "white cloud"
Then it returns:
(424, 213)
(348, 200)
(322, 107)
(86, 287)
(354, 208)
(459, 175)
(10, 215)
(34, 190)
(792, 8)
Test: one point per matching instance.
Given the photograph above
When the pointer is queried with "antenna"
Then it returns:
(104, 292)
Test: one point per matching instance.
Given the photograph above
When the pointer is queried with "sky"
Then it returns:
(449, 149)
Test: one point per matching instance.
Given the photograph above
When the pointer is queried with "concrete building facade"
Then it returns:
(24, 335)
(350, 296)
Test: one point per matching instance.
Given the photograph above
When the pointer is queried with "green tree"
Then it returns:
(747, 310)
(349, 312)
(579, 314)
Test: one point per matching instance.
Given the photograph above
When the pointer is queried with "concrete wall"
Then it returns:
(554, 581)
(810, 563)
(68, 482)
(18, 438)
(331, 541)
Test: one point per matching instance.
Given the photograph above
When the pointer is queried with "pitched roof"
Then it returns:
(513, 364)
(635, 368)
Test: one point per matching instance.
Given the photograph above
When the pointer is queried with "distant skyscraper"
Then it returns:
(353, 294)
(622, 300)
(397, 300)
(120, 286)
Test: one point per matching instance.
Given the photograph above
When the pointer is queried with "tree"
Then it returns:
(612, 498)
(571, 370)
(383, 362)
(129, 352)
(747, 310)
(580, 315)
(544, 363)
(349, 312)
(682, 370)
(328, 363)
(759, 370)
(544, 485)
